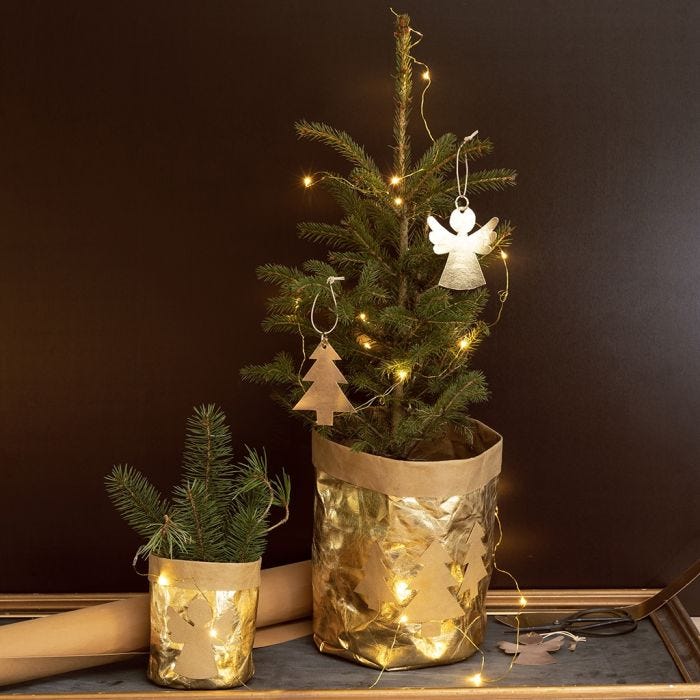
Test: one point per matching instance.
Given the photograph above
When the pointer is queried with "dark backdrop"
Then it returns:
(148, 164)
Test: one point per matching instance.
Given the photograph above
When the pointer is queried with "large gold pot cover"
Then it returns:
(402, 552)
(202, 622)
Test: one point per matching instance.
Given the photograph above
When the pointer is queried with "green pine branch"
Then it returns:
(136, 500)
(339, 141)
(210, 516)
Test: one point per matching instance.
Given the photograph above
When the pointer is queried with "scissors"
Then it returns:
(601, 622)
(595, 622)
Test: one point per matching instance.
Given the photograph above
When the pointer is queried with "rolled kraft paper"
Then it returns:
(103, 634)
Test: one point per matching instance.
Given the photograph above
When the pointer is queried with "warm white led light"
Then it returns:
(402, 591)
(476, 679)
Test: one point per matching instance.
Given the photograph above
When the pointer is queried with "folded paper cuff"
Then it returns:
(209, 576)
(419, 479)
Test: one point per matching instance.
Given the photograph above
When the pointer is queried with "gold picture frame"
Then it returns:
(672, 623)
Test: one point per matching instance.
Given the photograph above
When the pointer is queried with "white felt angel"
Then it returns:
(462, 270)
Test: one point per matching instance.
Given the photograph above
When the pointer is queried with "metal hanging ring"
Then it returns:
(461, 207)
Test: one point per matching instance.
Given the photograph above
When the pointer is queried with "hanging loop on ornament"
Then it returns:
(465, 202)
(462, 192)
(324, 334)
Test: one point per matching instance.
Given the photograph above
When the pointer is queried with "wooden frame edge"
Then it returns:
(600, 692)
(39, 604)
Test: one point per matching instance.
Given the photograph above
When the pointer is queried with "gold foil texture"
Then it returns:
(400, 582)
(202, 623)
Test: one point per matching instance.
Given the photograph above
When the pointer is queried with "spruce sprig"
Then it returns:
(220, 510)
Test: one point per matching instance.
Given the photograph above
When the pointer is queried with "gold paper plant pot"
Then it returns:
(402, 552)
(202, 622)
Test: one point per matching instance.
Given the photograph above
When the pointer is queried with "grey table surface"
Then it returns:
(637, 658)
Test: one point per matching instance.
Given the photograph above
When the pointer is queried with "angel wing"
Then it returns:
(482, 240)
(443, 241)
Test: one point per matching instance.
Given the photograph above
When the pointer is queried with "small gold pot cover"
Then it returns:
(202, 622)
(402, 552)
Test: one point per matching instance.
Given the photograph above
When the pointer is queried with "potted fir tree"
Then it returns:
(406, 481)
(204, 547)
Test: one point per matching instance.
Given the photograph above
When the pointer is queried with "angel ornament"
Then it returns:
(462, 270)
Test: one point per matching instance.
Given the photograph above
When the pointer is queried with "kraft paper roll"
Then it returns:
(103, 634)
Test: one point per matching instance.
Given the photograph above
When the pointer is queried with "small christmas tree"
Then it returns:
(434, 600)
(325, 396)
(476, 570)
(406, 343)
(373, 586)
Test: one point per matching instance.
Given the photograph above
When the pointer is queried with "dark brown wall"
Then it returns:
(148, 164)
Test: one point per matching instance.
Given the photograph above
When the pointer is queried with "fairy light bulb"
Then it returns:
(398, 201)
(403, 619)
(307, 181)
(504, 255)
(426, 75)
(163, 580)
(402, 375)
(402, 591)
(522, 601)
(362, 316)
(395, 180)
(476, 679)
(212, 633)
(364, 341)
(464, 343)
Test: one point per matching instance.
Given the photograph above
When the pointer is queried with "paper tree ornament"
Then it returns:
(196, 660)
(475, 570)
(433, 601)
(533, 650)
(373, 586)
(462, 270)
(324, 395)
